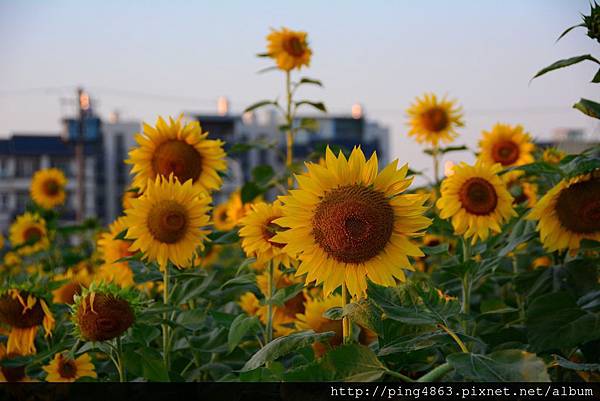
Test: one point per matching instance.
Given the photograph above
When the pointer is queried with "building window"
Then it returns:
(63, 164)
(3, 201)
(26, 166)
(22, 199)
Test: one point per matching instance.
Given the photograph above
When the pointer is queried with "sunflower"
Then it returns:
(288, 48)
(221, 219)
(257, 229)
(181, 150)
(48, 188)
(11, 259)
(11, 373)
(476, 199)
(347, 222)
(236, 209)
(507, 145)
(29, 233)
(569, 213)
(112, 249)
(78, 278)
(210, 255)
(313, 319)
(553, 155)
(541, 261)
(167, 221)
(63, 369)
(24, 312)
(103, 312)
(131, 193)
(433, 121)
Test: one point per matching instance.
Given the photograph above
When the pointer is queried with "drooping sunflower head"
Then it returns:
(289, 49)
(521, 190)
(182, 150)
(569, 213)
(507, 145)
(64, 369)
(103, 312)
(476, 199)
(434, 120)
(220, 217)
(313, 319)
(24, 311)
(258, 229)
(348, 222)
(553, 155)
(48, 187)
(168, 222)
(29, 233)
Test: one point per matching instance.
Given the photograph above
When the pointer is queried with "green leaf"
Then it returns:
(581, 164)
(448, 149)
(351, 363)
(569, 30)
(366, 314)
(250, 191)
(317, 105)
(565, 63)
(224, 237)
(282, 295)
(335, 313)
(262, 174)
(501, 366)
(260, 104)
(436, 250)
(596, 78)
(310, 81)
(537, 169)
(244, 279)
(284, 345)
(555, 321)
(152, 365)
(522, 231)
(241, 326)
(582, 367)
(588, 107)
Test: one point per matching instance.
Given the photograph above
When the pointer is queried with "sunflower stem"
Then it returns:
(518, 297)
(165, 326)
(120, 366)
(436, 163)
(346, 324)
(289, 135)
(466, 284)
(269, 330)
(436, 373)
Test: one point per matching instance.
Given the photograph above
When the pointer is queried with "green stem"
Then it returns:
(289, 135)
(436, 373)
(452, 334)
(165, 326)
(120, 366)
(518, 297)
(436, 164)
(346, 323)
(399, 376)
(269, 329)
(466, 285)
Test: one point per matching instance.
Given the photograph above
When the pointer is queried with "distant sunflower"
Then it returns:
(569, 213)
(221, 219)
(521, 190)
(11, 259)
(181, 150)
(476, 199)
(236, 209)
(63, 369)
(347, 222)
(48, 187)
(553, 155)
(257, 230)
(313, 319)
(167, 222)
(289, 49)
(79, 277)
(210, 255)
(249, 303)
(24, 312)
(433, 121)
(128, 195)
(29, 233)
(507, 145)
(112, 249)
(541, 261)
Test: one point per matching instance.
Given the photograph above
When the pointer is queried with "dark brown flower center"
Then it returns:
(578, 207)
(435, 119)
(179, 158)
(478, 196)
(168, 221)
(11, 312)
(353, 223)
(32, 235)
(294, 46)
(269, 231)
(505, 152)
(111, 317)
(51, 187)
(67, 368)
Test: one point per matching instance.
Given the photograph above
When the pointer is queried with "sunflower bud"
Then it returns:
(592, 22)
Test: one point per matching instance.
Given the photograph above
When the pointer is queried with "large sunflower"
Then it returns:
(24, 312)
(434, 120)
(257, 230)
(569, 213)
(48, 188)
(507, 145)
(167, 222)
(347, 222)
(63, 369)
(476, 199)
(289, 49)
(29, 233)
(181, 150)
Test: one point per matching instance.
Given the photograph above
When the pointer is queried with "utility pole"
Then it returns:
(84, 106)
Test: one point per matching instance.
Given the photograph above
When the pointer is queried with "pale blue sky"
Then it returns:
(379, 53)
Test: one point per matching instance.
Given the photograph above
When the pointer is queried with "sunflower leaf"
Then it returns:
(565, 63)
(588, 107)
(317, 105)
(240, 327)
(260, 104)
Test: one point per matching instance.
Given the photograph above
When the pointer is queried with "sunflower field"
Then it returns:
(335, 268)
